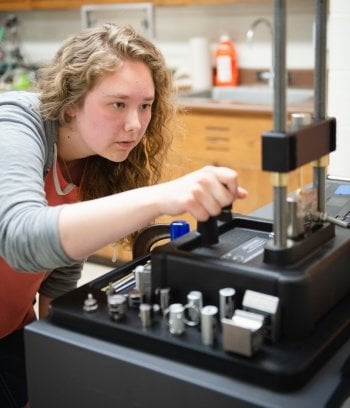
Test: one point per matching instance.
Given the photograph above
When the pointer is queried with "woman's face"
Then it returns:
(115, 113)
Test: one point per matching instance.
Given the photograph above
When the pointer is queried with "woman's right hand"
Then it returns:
(202, 193)
(90, 225)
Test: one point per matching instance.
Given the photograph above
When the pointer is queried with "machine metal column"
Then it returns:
(320, 165)
(280, 180)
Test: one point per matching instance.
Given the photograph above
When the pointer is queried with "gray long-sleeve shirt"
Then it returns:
(29, 239)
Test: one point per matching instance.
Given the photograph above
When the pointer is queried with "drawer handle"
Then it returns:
(216, 149)
(217, 128)
(217, 139)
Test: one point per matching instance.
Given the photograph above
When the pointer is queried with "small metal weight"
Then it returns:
(208, 324)
(194, 306)
(146, 314)
(226, 302)
(117, 306)
(176, 312)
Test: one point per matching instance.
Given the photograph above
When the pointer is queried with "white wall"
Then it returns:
(178, 25)
(43, 31)
(339, 84)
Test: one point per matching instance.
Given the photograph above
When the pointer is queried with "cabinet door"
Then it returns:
(51, 4)
(210, 138)
(111, 254)
(71, 4)
(234, 139)
(67, 4)
(15, 5)
(55, 4)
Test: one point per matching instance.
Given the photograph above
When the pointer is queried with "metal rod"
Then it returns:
(280, 210)
(319, 173)
(279, 117)
(320, 59)
(279, 63)
(319, 182)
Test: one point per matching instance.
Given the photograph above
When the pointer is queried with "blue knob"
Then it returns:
(179, 228)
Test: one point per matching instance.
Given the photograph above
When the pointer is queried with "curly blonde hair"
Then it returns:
(79, 63)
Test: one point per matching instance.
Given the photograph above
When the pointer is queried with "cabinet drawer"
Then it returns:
(233, 139)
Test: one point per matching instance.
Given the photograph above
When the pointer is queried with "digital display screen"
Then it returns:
(343, 189)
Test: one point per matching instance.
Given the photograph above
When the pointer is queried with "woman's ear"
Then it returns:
(71, 111)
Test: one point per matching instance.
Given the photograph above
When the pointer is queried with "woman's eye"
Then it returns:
(146, 106)
(119, 105)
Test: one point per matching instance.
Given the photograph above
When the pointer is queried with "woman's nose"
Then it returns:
(132, 121)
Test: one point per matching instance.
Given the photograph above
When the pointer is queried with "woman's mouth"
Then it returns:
(126, 145)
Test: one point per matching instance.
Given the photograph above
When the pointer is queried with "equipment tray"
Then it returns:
(286, 365)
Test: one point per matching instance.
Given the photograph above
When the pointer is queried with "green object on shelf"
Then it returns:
(21, 80)
(2, 33)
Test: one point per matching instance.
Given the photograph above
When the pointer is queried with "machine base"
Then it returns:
(286, 365)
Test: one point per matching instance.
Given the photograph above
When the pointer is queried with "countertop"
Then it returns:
(194, 103)
(228, 107)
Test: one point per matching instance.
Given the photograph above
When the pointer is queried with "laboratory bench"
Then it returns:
(69, 369)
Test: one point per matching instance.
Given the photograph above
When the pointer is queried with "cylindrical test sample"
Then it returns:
(176, 313)
(117, 305)
(208, 324)
(194, 306)
(164, 296)
(143, 281)
(226, 302)
(146, 314)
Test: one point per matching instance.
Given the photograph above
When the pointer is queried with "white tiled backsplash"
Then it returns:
(43, 31)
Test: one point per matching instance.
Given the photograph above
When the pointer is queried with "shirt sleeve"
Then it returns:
(29, 235)
(61, 281)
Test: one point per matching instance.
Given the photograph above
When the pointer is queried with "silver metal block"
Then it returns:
(269, 307)
(243, 334)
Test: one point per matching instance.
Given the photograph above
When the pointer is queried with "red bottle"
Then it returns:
(226, 63)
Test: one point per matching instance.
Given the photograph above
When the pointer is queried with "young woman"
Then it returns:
(79, 162)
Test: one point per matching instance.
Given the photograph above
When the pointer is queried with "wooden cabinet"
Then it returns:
(51, 4)
(7, 5)
(70, 4)
(112, 255)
